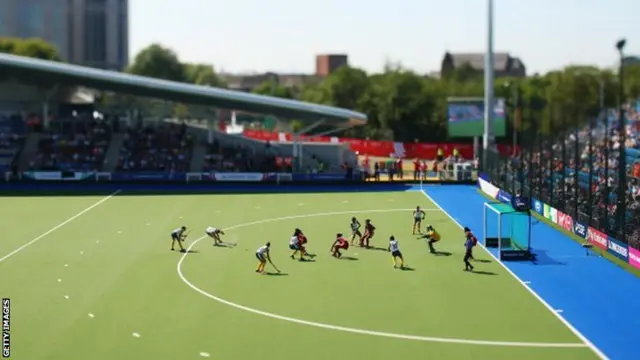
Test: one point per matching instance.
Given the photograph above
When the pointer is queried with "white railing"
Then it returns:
(103, 176)
(194, 177)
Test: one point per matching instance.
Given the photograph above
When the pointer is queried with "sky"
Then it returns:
(253, 36)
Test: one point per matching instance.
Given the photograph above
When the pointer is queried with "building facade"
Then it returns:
(504, 65)
(326, 64)
(85, 32)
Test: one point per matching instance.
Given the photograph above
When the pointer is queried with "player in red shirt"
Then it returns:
(369, 232)
(340, 244)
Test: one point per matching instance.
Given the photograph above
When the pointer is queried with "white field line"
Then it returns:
(33, 241)
(348, 329)
(583, 338)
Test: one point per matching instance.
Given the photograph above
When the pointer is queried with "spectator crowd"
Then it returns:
(578, 173)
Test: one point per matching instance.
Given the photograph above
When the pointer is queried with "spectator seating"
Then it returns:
(236, 157)
(565, 182)
(156, 148)
(78, 145)
(12, 135)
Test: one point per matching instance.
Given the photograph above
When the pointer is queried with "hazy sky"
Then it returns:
(285, 35)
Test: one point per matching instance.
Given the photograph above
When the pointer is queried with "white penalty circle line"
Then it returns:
(349, 329)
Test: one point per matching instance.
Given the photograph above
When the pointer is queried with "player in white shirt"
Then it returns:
(262, 254)
(355, 230)
(418, 216)
(178, 235)
(296, 243)
(215, 233)
(394, 249)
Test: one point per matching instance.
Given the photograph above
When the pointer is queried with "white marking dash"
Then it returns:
(81, 252)
(180, 217)
(135, 335)
(66, 265)
(66, 297)
(345, 202)
(59, 280)
(97, 241)
(559, 311)
(300, 204)
(119, 232)
(204, 354)
(147, 224)
(527, 282)
(91, 315)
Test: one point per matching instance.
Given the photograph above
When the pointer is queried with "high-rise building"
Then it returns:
(86, 32)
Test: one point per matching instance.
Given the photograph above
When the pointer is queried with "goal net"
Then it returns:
(507, 230)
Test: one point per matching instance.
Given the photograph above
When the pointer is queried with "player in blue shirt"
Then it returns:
(470, 242)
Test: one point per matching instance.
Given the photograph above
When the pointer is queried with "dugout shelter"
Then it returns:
(49, 77)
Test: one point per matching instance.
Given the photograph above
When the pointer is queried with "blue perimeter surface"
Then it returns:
(600, 299)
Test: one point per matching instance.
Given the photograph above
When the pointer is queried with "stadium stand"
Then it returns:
(75, 145)
(12, 135)
(156, 148)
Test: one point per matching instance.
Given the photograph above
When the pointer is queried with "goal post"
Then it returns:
(507, 230)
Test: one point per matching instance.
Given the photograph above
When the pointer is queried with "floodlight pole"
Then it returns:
(622, 137)
(487, 141)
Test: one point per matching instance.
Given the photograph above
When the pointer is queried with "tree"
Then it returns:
(202, 74)
(158, 62)
(34, 48)
(273, 88)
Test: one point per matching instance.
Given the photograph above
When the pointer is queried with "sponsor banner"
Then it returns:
(634, 257)
(565, 221)
(488, 188)
(239, 177)
(545, 211)
(618, 249)
(504, 197)
(553, 215)
(318, 177)
(58, 175)
(148, 176)
(580, 229)
(597, 238)
(537, 206)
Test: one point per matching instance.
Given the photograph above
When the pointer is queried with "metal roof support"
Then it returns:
(297, 145)
(48, 94)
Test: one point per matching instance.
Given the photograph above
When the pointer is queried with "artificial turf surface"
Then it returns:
(106, 286)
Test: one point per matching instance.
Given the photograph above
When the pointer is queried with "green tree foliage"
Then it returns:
(158, 62)
(202, 74)
(405, 106)
(273, 88)
(34, 48)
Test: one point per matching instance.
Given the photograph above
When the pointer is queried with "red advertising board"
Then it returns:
(412, 150)
(597, 238)
(565, 221)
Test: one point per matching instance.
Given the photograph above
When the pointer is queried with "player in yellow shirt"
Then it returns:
(432, 237)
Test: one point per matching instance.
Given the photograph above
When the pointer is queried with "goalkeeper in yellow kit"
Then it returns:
(432, 237)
